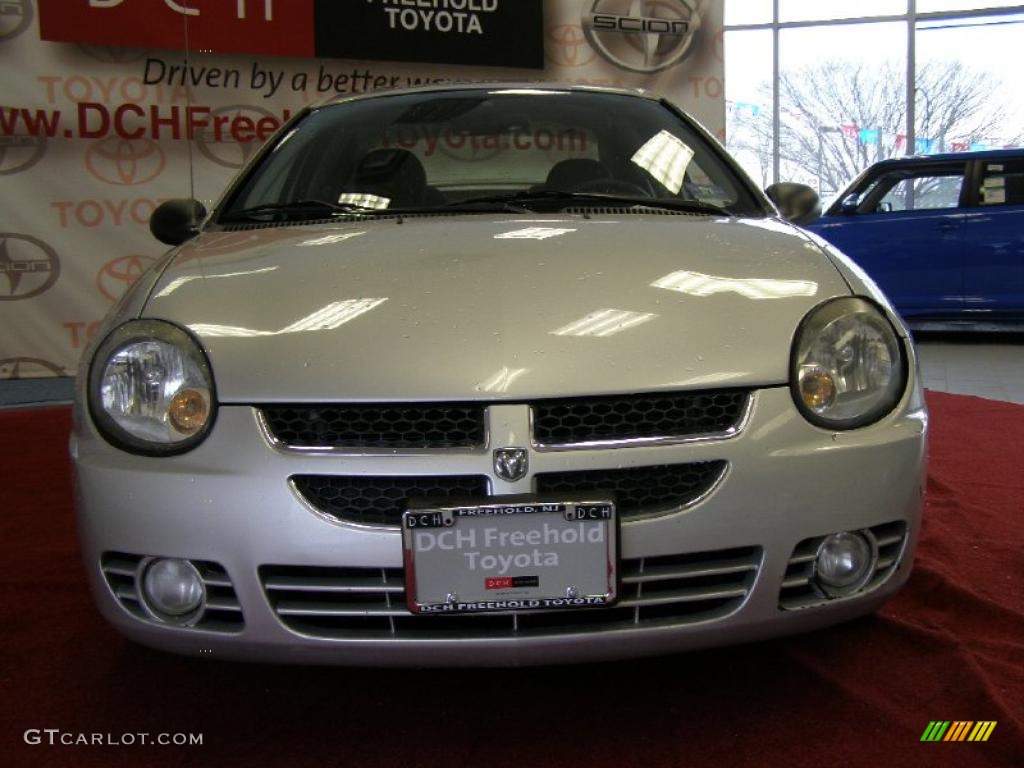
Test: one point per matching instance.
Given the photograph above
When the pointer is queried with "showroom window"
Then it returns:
(818, 90)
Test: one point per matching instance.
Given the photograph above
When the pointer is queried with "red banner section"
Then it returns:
(214, 26)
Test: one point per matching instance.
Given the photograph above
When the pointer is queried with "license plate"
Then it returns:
(515, 554)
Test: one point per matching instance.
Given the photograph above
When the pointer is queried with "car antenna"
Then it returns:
(188, 111)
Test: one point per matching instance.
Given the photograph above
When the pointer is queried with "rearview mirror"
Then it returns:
(176, 221)
(850, 203)
(796, 202)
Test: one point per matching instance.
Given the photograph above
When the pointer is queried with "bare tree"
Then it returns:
(838, 117)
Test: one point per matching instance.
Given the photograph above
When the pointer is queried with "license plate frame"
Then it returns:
(556, 553)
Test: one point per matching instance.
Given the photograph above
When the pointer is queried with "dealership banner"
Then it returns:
(109, 107)
(486, 32)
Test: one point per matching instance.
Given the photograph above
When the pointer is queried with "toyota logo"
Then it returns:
(117, 275)
(125, 162)
(19, 153)
(227, 152)
(15, 18)
(567, 47)
(510, 464)
(642, 35)
(29, 265)
(28, 368)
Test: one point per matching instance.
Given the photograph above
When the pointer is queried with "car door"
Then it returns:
(907, 232)
(994, 271)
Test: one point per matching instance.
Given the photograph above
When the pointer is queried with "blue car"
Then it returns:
(942, 235)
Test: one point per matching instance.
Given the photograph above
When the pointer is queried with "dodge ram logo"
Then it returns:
(510, 464)
(642, 35)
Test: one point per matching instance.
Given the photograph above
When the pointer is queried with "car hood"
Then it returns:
(495, 306)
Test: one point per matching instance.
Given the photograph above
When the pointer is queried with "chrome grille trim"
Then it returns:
(222, 612)
(679, 438)
(369, 603)
(481, 440)
(715, 474)
(707, 477)
(371, 446)
(383, 498)
(798, 590)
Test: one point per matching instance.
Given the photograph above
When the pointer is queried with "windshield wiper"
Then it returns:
(490, 203)
(296, 208)
(562, 199)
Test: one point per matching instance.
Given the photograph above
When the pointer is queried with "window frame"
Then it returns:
(961, 168)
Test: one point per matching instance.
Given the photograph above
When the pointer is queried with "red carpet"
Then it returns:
(949, 647)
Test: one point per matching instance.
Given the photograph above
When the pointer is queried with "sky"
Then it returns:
(989, 45)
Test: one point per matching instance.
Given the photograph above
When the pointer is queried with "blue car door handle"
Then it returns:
(948, 226)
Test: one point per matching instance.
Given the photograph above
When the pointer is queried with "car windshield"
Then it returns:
(482, 149)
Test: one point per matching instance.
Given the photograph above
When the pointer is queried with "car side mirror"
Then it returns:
(850, 203)
(796, 202)
(176, 221)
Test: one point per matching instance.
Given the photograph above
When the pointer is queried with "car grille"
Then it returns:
(556, 423)
(798, 587)
(369, 603)
(377, 426)
(381, 500)
(223, 612)
(639, 491)
(636, 417)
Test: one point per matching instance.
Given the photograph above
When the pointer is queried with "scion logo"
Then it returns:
(227, 152)
(15, 18)
(125, 162)
(19, 153)
(28, 266)
(28, 368)
(117, 275)
(642, 35)
(567, 47)
(510, 464)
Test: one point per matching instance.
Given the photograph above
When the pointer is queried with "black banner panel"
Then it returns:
(496, 33)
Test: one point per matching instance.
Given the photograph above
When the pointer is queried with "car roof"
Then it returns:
(986, 154)
(489, 87)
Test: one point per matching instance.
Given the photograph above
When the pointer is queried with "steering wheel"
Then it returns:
(611, 186)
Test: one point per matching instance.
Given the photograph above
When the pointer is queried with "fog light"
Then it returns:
(173, 589)
(844, 563)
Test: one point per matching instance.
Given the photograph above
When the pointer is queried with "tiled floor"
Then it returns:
(986, 365)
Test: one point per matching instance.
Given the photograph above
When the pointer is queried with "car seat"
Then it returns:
(397, 175)
(566, 175)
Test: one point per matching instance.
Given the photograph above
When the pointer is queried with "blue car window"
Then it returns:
(922, 192)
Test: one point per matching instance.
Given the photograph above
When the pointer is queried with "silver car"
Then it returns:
(495, 375)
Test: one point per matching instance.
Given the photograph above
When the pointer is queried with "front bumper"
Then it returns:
(229, 502)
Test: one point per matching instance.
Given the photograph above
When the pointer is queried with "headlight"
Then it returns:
(848, 366)
(151, 389)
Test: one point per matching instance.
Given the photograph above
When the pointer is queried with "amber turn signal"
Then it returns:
(817, 388)
(188, 411)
